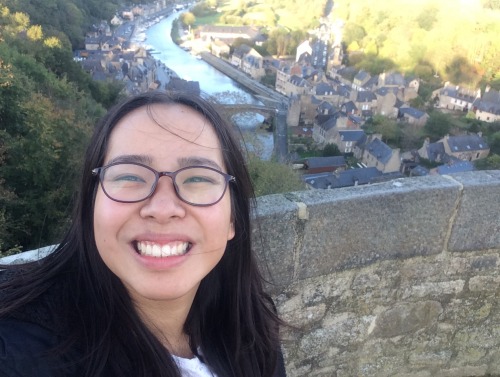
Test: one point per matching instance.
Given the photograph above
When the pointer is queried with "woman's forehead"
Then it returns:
(177, 126)
(168, 121)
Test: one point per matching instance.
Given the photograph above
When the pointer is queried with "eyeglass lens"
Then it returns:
(130, 183)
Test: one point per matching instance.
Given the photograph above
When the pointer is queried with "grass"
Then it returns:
(211, 19)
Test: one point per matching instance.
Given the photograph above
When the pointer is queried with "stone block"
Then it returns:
(274, 237)
(477, 223)
(356, 226)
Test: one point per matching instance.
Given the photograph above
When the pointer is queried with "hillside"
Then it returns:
(48, 106)
(457, 40)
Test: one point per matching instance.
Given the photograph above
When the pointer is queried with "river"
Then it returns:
(211, 81)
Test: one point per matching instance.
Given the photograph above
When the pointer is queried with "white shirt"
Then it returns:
(193, 367)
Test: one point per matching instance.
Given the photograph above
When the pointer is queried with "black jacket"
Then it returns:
(29, 337)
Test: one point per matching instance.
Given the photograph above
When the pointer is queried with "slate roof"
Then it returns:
(344, 91)
(298, 81)
(325, 89)
(394, 79)
(324, 105)
(490, 102)
(362, 76)
(349, 107)
(457, 167)
(354, 135)
(330, 122)
(458, 93)
(380, 150)
(419, 171)
(345, 178)
(179, 84)
(371, 83)
(324, 162)
(465, 143)
(383, 91)
(366, 96)
(412, 112)
(436, 152)
(242, 50)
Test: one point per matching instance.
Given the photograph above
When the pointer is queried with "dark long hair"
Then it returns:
(231, 321)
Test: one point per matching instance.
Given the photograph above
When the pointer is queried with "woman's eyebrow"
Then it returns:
(127, 158)
(191, 161)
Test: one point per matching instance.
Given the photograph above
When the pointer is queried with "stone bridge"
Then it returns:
(392, 279)
(233, 109)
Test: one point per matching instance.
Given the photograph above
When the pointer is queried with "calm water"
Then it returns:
(211, 81)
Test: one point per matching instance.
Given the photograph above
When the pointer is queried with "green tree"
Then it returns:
(188, 19)
(490, 163)
(438, 125)
(389, 129)
(331, 149)
(269, 177)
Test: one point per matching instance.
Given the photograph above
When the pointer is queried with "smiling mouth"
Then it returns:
(151, 249)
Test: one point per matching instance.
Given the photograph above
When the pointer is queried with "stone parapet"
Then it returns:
(392, 279)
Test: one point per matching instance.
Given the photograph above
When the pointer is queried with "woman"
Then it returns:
(156, 275)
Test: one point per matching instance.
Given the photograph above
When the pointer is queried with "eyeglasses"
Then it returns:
(134, 182)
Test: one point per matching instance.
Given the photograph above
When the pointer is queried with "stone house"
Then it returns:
(347, 139)
(433, 152)
(213, 32)
(407, 87)
(349, 108)
(239, 54)
(308, 108)
(325, 91)
(367, 102)
(282, 77)
(413, 116)
(253, 65)
(379, 155)
(487, 108)
(360, 79)
(315, 165)
(455, 97)
(296, 86)
(388, 103)
(338, 179)
(220, 48)
(324, 128)
(92, 43)
(466, 147)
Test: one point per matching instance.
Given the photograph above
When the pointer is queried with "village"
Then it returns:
(328, 103)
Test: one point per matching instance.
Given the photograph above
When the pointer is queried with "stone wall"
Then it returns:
(393, 279)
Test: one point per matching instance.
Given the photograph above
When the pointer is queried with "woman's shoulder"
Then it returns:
(25, 349)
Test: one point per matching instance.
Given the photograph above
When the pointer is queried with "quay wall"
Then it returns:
(392, 279)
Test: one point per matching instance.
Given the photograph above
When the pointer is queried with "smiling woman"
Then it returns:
(156, 276)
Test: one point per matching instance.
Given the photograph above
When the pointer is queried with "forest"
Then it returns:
(456, 40)
(48, 106)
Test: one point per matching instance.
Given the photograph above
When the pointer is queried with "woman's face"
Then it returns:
(126, 232)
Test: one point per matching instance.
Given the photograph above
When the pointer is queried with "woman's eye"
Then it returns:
(128, 178)
(198, 179)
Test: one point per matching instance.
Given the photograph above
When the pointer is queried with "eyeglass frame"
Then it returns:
(158, 174)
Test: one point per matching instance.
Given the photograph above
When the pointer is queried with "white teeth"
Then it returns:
(158, 251)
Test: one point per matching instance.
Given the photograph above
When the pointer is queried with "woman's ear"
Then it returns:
(230, 231)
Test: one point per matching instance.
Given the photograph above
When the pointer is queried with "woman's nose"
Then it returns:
(164, 203)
